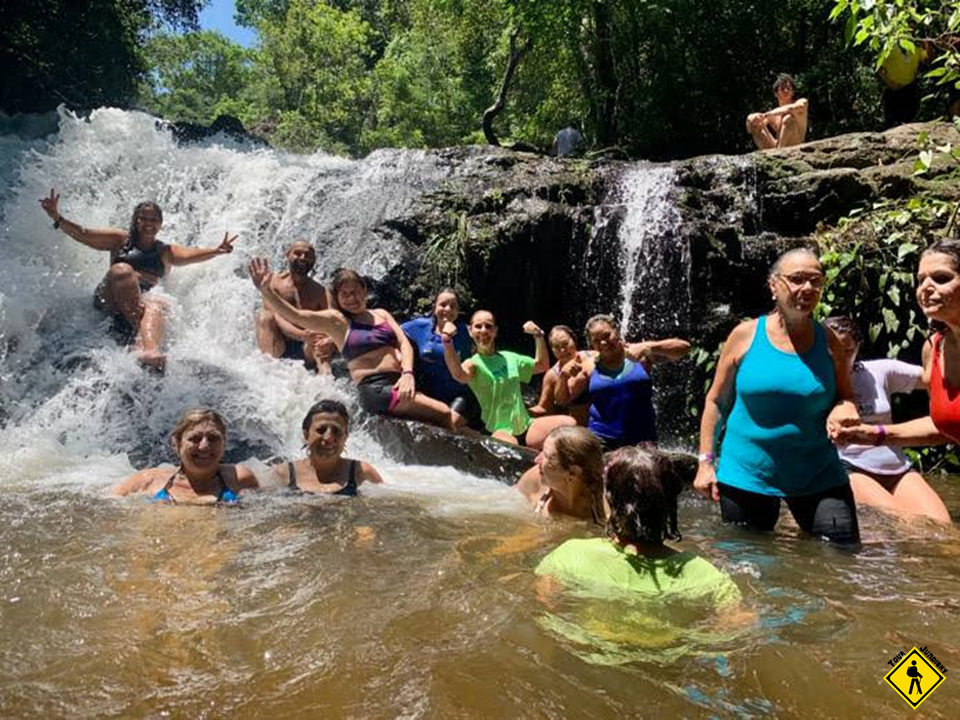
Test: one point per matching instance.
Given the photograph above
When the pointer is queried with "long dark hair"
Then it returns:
(641, 488)
(951, 248)
(133, 236)
(327, 407)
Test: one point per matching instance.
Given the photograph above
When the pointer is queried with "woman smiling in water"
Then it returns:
(325, 471)
(199, 440)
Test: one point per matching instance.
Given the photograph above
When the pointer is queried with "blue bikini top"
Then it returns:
(227, 495)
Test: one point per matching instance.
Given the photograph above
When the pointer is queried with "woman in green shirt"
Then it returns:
(495, 376)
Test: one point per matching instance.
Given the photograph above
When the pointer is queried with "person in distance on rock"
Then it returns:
(786, 124)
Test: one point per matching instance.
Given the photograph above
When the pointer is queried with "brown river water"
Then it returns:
(418, 600)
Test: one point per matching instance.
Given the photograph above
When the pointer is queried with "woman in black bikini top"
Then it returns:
(325, 470)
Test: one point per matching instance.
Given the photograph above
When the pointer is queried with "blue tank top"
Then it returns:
(775, 440)
(621, 406)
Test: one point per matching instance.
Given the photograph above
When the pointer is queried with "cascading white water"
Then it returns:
(651, 254)
(74, 405)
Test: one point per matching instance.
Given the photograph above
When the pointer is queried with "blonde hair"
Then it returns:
(577, 446)
(195, 417)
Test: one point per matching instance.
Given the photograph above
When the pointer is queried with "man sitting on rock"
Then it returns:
(282, 339)
(786, 124)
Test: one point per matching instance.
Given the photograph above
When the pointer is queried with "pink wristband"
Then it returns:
(881, 434)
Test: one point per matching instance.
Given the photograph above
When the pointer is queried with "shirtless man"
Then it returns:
(786, 124)
(280, 338)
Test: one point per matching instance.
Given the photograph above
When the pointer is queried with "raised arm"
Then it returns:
(717, 403)
(462, 372)
(180, 255)
(331, 322)
(107, 239)
(654, 351)
(574, 380)
(541, 360)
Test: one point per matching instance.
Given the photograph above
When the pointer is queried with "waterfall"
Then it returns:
(655, 295)
(71, 398)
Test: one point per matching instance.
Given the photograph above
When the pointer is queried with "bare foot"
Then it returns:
(152, 360)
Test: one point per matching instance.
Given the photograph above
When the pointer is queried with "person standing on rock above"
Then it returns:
(280, 338)
(616, 381)
(138, 262)
(378, 354)
(901, 91)
(781, 391)
(786, 124)
(433, 376)
(495, 377)
(881, 476)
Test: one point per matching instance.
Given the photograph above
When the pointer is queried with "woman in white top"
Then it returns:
(881, 475)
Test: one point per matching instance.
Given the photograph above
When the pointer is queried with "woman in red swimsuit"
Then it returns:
(938, 293)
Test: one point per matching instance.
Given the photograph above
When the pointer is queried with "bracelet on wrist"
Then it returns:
(881, 434)
(56, 223)
(406, 372)
(706, 457)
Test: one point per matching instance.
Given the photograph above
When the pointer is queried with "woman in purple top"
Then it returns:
(378, 354)
(881, 475)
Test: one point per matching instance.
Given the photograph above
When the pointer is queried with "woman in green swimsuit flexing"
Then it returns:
(495, 377)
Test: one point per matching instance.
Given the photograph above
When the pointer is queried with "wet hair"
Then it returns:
(301, 241)
(843, 325)
(641, 488)
(195, 417)
(577, 446)
(563, 328)
(133, 237)
(331, 407)
(782, 80)
(951, 248)
(600, 318)
(782, 257)
(342, 276)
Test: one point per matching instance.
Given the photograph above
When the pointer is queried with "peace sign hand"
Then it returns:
(49, 205)
(226, 245)
(260, 273)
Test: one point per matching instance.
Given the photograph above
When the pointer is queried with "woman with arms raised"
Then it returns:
(378, 354)
(199, 440)
(138, 262)
(782, 380)
(495, 377)
(325, 471)
(616, 382)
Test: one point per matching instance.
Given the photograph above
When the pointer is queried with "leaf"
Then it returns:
(838, 9)
(882, 280)
(850, 28)
(906, 249)
(861, 37)
(890, 321)
(894, 295)
(873, 332)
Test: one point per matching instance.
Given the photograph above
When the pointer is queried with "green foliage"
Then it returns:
(197, 76)
(84, 54)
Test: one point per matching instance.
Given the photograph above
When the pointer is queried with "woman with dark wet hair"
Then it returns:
(640, 490)
(138, 262)
(325, 471)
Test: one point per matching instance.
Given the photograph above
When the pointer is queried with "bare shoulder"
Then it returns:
(739, 339)
(529, 484)
(244, 476)
(369, 473)
(142, 481)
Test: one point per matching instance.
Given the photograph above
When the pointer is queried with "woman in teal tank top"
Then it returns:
(782, 389)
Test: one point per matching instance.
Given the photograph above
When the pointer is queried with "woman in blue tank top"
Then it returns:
(617, 383)
(781, 390)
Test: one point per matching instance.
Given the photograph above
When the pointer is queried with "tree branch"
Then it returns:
(516, 53)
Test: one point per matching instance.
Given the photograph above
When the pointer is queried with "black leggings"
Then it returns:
(830, 514)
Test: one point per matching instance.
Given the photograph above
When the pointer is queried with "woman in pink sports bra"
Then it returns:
(378, 353)
(938, 293)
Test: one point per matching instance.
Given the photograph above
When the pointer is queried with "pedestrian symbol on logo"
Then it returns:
(914, 677)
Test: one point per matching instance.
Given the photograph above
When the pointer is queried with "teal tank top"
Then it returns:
(775, 440)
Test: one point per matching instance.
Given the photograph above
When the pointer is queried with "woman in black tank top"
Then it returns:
(138, 261)
(325, 471)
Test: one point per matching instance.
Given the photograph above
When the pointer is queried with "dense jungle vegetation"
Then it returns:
(653, 78)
